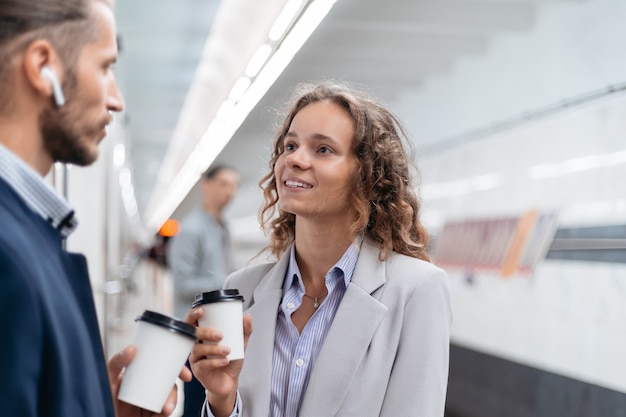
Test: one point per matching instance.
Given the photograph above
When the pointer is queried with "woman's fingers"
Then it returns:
(247, 328)
(193, 315)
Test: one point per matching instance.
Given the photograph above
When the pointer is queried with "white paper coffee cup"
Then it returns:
(163, 345)
(223, 310)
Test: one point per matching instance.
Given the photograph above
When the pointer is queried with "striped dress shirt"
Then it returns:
(295, 353)
(36, 193)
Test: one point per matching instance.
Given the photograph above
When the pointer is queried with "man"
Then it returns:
(200, 255)
(57, 92)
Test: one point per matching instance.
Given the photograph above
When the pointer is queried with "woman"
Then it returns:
(352, 320)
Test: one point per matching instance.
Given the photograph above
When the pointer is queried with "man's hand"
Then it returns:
(116, 367)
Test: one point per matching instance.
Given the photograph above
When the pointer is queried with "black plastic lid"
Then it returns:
(168, 322)
(216, 296)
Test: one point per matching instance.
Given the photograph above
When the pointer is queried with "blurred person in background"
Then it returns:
(352, 319)
(200, 255)
(57, 93)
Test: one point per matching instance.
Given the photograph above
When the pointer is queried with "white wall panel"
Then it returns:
(567, 317)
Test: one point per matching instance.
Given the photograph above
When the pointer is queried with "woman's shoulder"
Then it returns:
(414, 271)
(248, 271)
(401, 260)
(410, 280)
(249, 276)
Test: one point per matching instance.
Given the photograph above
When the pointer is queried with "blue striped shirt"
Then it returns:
(36, 193)
(295, 353)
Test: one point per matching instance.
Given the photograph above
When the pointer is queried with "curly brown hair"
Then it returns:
(386, 206)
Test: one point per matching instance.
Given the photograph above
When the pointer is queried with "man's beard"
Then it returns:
(62, 139)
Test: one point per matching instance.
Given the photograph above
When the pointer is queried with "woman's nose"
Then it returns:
(297, 158)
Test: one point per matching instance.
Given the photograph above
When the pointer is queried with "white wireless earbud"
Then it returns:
(48, 74)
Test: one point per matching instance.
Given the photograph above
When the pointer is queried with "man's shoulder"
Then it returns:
(20, 246)
(13, 206)
(14, 213)
(195, 221)
(9, 198)
(18, 237)
(189, 225)
(25, 236)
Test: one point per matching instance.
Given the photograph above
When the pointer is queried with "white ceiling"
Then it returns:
(161, 42)
(388, 47)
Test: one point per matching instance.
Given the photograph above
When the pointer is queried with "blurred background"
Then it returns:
(518, 116)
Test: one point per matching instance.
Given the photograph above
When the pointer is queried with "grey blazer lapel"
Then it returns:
(257, 374)
(349, 336)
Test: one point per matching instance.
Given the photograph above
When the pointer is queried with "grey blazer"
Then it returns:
(386, 353)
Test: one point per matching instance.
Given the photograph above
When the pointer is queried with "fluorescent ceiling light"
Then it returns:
(284, 19)
(258, 59)
(128, 193)
(125, 178)
(233, 113)
(225, 109)
(119, 155)
(239, 89)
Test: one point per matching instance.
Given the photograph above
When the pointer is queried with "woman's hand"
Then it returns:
(212, 368)
(116, 366)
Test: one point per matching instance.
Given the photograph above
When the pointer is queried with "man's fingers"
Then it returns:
(119, 361)
(170, 404)
(185, 374)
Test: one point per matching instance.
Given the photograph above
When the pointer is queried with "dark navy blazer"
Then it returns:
(51, 358)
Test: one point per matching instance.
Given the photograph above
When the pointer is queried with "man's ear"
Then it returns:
(42, 70)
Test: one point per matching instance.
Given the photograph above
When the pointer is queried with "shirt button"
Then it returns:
(290, 306)
(299, 362)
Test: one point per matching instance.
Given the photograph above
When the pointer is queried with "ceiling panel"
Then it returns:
(388, 47)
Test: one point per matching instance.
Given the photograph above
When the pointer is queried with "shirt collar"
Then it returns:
(36, 193)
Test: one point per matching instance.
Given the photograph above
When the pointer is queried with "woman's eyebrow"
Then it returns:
(319, 136)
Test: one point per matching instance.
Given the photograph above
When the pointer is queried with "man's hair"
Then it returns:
(213, 170)
(381, 192)
(65, 24)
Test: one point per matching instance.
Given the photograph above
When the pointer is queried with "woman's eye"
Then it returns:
(325, 149)
(290, 147)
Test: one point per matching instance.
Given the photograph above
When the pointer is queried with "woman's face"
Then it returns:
(313, 173)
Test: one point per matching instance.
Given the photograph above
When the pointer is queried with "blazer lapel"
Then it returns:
(257, 374)
(349, 336)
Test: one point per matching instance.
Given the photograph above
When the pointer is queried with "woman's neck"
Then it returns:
(319, 247)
